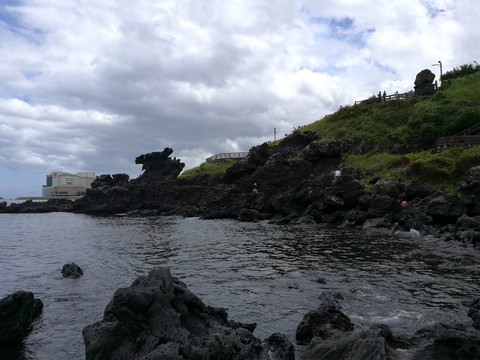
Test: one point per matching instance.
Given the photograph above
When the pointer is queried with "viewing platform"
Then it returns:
(230, 155)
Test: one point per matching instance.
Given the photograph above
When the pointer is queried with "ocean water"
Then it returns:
(268, 274)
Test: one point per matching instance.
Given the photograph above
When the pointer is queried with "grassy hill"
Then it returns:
(454, 107)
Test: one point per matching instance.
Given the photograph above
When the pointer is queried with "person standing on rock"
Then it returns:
(337, 174)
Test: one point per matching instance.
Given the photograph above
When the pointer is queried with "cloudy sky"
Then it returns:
(88, 85)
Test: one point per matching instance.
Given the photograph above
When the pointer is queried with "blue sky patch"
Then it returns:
(343, 29)
(13, 21)
(433, 12)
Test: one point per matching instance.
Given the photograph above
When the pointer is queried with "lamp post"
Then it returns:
(439, 64)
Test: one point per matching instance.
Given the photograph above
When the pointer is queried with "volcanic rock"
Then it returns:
(71, 270)
(157, 317)
(158, 167)
(17, 312)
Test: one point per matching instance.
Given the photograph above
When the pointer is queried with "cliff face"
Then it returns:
(158, 190)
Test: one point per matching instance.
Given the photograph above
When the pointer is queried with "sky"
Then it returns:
(88, 85)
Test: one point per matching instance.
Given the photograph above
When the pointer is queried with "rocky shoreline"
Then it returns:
(158, 317)
(294, 184)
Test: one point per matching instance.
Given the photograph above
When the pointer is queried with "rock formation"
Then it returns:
(17, 312)
(424, 83)
(334, 340)
(157, 317)
(158, 167)
(72, 270)
(424, 77)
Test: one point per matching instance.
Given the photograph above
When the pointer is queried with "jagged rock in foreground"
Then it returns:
(435, 342)
(157, 317)
(17, 312)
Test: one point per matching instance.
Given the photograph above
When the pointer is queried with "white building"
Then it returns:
(66, 184)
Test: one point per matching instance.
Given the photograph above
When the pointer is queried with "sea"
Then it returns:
(260, 273)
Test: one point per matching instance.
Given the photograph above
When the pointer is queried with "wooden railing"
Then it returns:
(466, 138)
(382, 98)
(231, 155)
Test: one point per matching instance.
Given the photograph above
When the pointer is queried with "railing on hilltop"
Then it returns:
(231, 155)
(382, 98)
(466, 138)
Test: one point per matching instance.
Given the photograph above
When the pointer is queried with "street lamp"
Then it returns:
(439, 64)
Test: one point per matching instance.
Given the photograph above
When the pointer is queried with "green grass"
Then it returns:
(215, 168)
(443, 170)
(465, 88)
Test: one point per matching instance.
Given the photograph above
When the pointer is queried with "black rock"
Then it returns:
(71, 270)
(278, 347)
(157, 317)
(323, 323)
(17, 312)
(372, 344)
(448, 342)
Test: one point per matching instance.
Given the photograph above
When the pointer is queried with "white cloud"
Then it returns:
(89, 85)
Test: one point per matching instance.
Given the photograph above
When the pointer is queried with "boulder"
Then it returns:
(445, 209)
(372, 344)
(17, 312)
(385, 187)
(347, 188)
(297, 141)
(326, 149)
(412, 218)
(471, 184)
(474, 312)
(378, 205)
(157, 317)
(323, 322)
(71, 270)
(415, 190)
(425, 76)
(278, 347)
(442, 341)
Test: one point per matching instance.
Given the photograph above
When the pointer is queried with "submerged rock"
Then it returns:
(72, 270)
